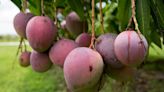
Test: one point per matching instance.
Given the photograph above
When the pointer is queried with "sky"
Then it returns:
(7, 12)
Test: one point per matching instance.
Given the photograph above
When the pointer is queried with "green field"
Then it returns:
(17, 79)
(14, 78)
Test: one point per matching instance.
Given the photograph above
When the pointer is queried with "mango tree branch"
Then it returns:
(24, 5)
(134, 16)
(136, 23)
(101, 18)
(93, 25)
(42, 7)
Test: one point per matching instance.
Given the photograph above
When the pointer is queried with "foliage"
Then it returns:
(116, 14)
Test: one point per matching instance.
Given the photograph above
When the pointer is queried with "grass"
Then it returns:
(9, 38)
(155, 52)
(14, 78)
(17, 79)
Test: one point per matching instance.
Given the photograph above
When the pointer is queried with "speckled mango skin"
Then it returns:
(84, 40)
(41, 33)
(24, 58)
(105, 46)
(60, 50)
(20, 23)
(40, 62)
(83, 68)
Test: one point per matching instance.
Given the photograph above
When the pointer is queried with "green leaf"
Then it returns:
(78, 7)
(110, 24)
(124, 13)
(35, 6)
(32, 3)
(60, 3)
(155, 38)
(158, 9)
(113, 0)
(155, 34)
(49, 8)
(18, 3)
(143, 17)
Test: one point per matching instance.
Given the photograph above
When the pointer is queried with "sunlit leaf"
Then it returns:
(35, 7)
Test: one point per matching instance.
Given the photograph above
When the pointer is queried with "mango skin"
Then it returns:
(83, 68)
(20, 23)
(24, 59)
(74, 25)
(60, 50)
(84, 40)
(105, 46)
(129, 49)
(40, 62)
(41, 33)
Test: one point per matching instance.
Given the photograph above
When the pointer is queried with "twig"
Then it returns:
(42, 7)
(20, 46)
(93, 25)
(25, 47)
(101, 18)
(129, 24)
(24, 5)
(18, 50)
(135, 22)
(134, 17)
(56, 19)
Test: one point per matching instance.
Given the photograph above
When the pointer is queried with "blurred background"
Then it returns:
(7, 11)
(14, 78)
